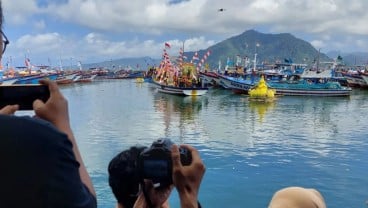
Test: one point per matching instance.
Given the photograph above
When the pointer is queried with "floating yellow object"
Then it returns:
(139, 80)
(261, 91)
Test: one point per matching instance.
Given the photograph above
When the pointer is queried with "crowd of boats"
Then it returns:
(194, 79)
(284, 79)
(299, 81)
(187, 80)
(64, 77)
(190, 78)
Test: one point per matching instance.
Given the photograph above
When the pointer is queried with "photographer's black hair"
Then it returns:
(123, 176)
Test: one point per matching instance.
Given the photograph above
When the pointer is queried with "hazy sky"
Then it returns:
(98, 30)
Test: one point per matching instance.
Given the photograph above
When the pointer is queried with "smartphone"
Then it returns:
(23, 95)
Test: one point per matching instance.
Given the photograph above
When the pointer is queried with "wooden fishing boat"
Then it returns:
(176, 90)
(35, 78)
(66, 79)
(179, 78)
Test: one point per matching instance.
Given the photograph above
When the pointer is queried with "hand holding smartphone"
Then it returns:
(23, 95)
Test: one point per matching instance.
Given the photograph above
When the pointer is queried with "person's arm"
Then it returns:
(55, 110)
(9, 109)
(187, 179)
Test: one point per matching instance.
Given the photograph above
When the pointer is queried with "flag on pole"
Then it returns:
(195, 57)
(27, 62)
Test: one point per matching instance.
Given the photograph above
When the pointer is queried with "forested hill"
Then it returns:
(269, 48)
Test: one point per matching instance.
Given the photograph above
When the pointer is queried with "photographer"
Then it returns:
(149, 186)
(40, 161)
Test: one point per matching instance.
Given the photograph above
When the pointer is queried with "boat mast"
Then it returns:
(255, 62)
(319, 51)
(255, 56)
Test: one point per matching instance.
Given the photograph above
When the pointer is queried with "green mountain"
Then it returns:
(350, 59)
(269, 48)
(357, 58)
(141, 63)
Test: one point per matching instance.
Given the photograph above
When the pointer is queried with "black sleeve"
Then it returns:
(39, 168)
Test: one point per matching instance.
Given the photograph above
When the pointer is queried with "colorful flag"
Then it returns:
(195, 57)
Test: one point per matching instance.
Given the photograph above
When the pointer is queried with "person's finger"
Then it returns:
(148, 185)
(193, 151)
(37, 104)
(197, 162)
(175, 156)
(53, 87)
(9, 109)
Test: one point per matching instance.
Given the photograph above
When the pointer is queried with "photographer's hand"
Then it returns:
(158, 197)
(187, 179)
(9, 109)
(55, 110)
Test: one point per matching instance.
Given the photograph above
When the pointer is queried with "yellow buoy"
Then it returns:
(139, 80)
(261, 91)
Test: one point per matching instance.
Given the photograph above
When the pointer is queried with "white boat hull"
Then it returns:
(188, 91)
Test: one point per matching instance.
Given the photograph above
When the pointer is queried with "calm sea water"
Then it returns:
(250, 149)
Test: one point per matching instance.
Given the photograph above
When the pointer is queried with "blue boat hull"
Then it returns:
(237, 85)
(35, 79)
(305, 88)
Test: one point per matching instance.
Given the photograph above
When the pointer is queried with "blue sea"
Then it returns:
(250, 149)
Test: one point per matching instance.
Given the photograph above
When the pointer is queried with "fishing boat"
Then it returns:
(66, 78)
(355, 79)
(364, 75)
(180, 85)
(238, 85)
(298, 86)
(85, 78)
(179, 78)
(191, 91)
(8, 81)
(34, 79)
(210, 78)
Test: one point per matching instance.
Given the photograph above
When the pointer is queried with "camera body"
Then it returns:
(23, 95)
(155, 162)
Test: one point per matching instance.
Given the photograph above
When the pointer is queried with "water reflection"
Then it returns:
(178, 112)
(261, 108)
(246, 146)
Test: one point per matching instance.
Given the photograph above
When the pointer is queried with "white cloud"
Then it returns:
(318, 44)
(40, 43)
(40, 25)
(318, 16)
(19, 11)
(326, 23)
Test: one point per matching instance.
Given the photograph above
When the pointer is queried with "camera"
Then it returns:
(155, 162)
(23, 95)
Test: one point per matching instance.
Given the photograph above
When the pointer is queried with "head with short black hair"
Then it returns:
(123, 176)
